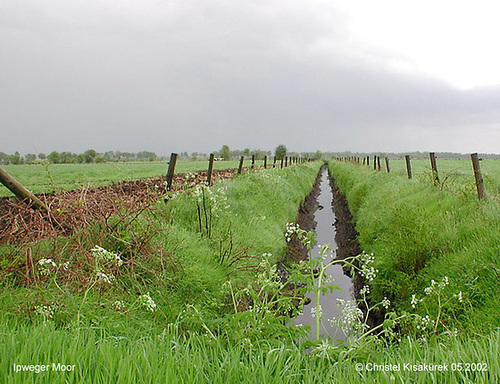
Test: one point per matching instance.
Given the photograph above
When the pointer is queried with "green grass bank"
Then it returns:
(420, 234)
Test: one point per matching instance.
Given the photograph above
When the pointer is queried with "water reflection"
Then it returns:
(325, 229)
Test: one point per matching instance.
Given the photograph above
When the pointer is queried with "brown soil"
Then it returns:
(74, 209)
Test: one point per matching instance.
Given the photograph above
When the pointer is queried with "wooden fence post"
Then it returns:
(171, 170)
(387, 164)
(240, 167)
(210, 169)
(282, 162)
(286, 161)
(375, 162)
(20, 191)
(481, 192)
(408, 166)
(378, 164)
(435, 175)
(253, 161)
(265, 162)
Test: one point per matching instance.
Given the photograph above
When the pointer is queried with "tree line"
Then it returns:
(89, 156)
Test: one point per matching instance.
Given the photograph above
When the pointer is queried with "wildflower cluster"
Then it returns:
(434, 294)
(367, 271)
(45, 311)
(46, 266)
(436, 286)
(148, 302)
(104, 278)
(305, 237)
(119, 305)
(104, 258)
(102, 255)
(350, 319)
(216, 198)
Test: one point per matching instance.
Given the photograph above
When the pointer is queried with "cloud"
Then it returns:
(191, 76)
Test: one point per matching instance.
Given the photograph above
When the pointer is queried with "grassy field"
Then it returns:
(455, 175)
(164, 300)
(56, 177)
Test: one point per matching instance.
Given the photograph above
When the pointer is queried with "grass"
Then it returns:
(420, 233)
(184, 254)
(165, 256)
(455, 175)
(41, 179)
(171, 357)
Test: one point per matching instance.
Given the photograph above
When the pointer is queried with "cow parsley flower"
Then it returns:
(148, 302)
(46, 265)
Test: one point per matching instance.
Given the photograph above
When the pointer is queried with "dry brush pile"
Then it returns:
(75, 209)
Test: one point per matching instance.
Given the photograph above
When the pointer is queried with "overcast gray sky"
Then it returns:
(188, 75)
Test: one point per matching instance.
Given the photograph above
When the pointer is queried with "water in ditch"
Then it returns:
(325, 229)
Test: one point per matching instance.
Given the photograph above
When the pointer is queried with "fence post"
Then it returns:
(378, 164)
(481, 192)
(435, 175)
(20, 191)
(210, 169)
(408, 166)
(286, 161)
(265, 162)
(253, 161)
(274, 163)
(282, 162)
(171, 170)
(375, 162)
(387, 164)
(240, 167)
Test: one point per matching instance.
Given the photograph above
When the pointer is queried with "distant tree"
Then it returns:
(53, 157)
(259, 155)
(42, 156)
(30, 158)
(318, 155)
(16, 158)
(246, 152)
(68, 158)
(4, 158)
(225, 152)
(89, 156)
(280, 152)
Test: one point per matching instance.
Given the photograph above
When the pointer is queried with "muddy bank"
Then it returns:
(305, 219)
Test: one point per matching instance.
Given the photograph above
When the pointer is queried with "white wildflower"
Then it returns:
(386, 303)
(148, 302)
(104, 278)
(365, 290)
(318, 311)
(119, 305)
(46, 265)
(414, 301)
(46, 311)
(104, 255)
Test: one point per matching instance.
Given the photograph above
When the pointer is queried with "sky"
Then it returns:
(193, 75)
